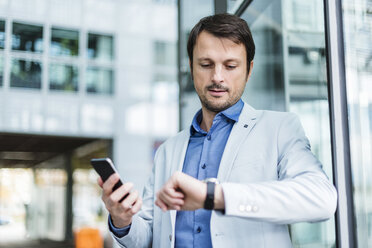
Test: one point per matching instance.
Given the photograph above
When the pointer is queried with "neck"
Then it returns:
(207, 120)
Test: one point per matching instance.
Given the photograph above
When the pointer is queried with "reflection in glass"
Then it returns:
(87, 206)
(99, 80)
(289, 74)
(1, 70)
(266, 87)
(27, 37)
(25, 74)
(64, 42)
(233, 5)
(48, 200)
(63, 77)
(15, 211)
(100, 47)
(190, 15)
(2, 34)
(357, 20)
(165, 53)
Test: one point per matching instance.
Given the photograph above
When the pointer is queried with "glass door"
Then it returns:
(290, 74)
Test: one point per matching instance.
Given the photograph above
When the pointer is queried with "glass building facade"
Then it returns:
(79, 79)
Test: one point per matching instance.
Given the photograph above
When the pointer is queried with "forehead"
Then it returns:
(212, 47)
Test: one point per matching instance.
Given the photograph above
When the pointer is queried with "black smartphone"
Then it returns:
(105, 168)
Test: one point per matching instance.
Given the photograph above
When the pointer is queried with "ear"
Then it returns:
(190, 64)
(250, 71)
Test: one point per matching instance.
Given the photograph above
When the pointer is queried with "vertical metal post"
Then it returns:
(180, 83)
(69, 188)
(345, 222)
(220, 6)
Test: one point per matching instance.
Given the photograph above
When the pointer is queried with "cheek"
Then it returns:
(238, 83)
(200, 79)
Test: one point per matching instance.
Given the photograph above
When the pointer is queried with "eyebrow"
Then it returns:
(228, 60)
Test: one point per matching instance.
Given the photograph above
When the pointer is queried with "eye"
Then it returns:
(230, 67)
(205, 65)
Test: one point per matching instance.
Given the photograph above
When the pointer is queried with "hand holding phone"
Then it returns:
(105, 168)
(121, 208)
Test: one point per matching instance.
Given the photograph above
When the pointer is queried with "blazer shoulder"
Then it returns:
(265, 115)
(278, 117)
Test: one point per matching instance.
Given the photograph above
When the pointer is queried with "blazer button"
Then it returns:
(248, 208)
(241, 208)
(255, 208)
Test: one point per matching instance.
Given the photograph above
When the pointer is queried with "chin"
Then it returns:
(217, 107)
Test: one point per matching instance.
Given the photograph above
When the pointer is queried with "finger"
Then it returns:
(130, 200)
(136, 206)
(99, 181)
(118, 194)
(168, 200)
(175, 207)
(161, 205)
(173, 193)
(109, 183)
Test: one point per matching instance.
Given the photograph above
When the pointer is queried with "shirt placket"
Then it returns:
(200, 224)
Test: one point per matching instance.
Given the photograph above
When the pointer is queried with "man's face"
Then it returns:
(219, 71)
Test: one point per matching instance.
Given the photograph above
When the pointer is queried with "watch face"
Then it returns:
(212, 180)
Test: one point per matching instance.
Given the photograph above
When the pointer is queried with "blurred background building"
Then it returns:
(79, 79)
(95, 78)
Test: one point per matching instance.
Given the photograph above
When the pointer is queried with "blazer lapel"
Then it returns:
(178, 157)
(239, 132)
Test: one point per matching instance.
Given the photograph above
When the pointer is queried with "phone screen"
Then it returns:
(105, 168)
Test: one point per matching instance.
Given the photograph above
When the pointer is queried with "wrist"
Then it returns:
(211, 194)
(219, 200)
(120, 223)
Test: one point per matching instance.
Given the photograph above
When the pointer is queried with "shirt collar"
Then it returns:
(231, 113)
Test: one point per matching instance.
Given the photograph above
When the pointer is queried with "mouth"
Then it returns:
(217, 92)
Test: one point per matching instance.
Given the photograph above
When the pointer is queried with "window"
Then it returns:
(357, 20)
(25, 74)
(27, 37)
(165, 53)
(100, 80)
(63, 77)
(2, 34)
(64, 42)
(100, 47)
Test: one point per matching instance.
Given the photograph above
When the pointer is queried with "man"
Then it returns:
(268, 177)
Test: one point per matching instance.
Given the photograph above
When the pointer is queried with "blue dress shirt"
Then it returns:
(202, 160)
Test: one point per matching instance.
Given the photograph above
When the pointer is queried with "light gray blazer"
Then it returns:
(270, 179)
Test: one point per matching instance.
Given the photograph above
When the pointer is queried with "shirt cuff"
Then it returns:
(118, 232)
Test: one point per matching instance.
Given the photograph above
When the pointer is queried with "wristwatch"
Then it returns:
(209, 200)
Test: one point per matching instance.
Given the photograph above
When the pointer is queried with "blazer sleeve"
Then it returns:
(301, 193)
(140, 233)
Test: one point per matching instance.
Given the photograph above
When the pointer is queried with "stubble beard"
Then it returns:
(217, 107)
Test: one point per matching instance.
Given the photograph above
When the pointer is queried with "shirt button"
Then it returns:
(209, 137)
(204, 166)
(198, 230)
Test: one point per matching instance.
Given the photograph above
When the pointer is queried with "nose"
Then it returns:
(217, 75)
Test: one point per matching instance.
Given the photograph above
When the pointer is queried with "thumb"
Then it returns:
(99, 181)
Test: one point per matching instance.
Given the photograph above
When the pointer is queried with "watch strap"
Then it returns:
(209, 200)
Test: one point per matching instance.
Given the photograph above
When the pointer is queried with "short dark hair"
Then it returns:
(227, 26)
